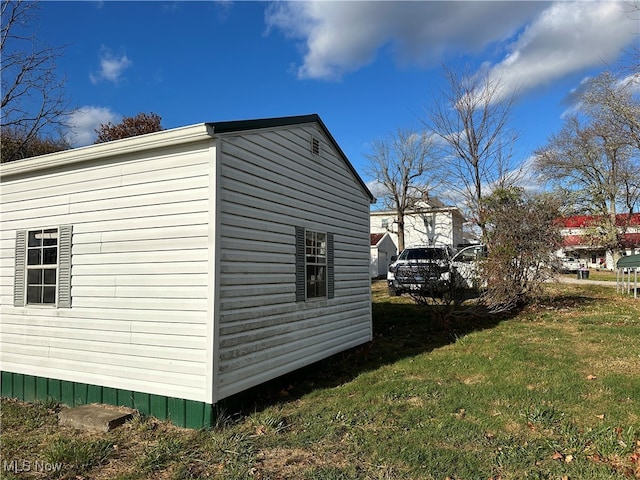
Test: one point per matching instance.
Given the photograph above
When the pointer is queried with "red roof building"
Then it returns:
(577, 242)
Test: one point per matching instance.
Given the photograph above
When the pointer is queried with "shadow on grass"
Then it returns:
(400, 330)
(566, 301)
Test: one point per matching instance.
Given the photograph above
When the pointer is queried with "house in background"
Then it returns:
(168, 271)
(430, 223)
(382, 249)
(579, 245)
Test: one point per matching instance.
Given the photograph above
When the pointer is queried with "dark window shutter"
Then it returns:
(300, 265)
(330, 270)
(19, 277)
(64, 266)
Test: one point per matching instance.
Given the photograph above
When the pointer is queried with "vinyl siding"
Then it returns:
(271, 184)
(183, 263)
(140, 273)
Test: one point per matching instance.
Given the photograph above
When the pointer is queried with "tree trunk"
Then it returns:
(400, 231)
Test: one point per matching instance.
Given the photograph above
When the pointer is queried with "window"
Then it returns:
(470, 254)
(43, 267)
(314, 265)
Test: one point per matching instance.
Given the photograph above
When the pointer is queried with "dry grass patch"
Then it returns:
(293, 463)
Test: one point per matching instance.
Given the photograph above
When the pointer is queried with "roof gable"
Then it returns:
(263, 123)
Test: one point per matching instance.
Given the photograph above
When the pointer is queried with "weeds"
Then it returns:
(75, 457)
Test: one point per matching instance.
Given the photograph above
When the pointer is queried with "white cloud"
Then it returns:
(535, 42)
(112, 67)
(84, 121)
(632, 82)
(341, 37)
(377, 189)
(567, 37)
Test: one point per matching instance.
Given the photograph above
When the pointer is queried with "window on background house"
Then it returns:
(43, 267)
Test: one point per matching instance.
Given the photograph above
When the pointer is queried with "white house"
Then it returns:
(382, 249)
(168, 271)
(430, 223)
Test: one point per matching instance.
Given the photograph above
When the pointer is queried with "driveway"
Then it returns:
(605, 283)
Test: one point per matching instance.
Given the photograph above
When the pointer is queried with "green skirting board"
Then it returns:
(181, 412)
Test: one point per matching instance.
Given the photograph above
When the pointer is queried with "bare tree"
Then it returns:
(610, 103)
(471, 120)
(141, 124)
(595, 158)
(402, 164)
(33, 98)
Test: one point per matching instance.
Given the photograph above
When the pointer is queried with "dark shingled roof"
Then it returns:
(376, 237)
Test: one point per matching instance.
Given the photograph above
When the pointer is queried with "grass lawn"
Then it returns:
(550, 393)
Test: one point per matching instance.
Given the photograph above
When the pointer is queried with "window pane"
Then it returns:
(322, 241)
(316, 281)
(34, 239)
(311, 281)
(49, 277)
(34, 277)
(50, 237)
(50, 256)
(34, 295)
(321, 282)
(49, 295)
(34, 257)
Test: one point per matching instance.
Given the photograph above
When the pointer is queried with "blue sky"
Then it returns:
(367, 68)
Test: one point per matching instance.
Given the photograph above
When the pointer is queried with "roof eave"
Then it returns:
(150, 141)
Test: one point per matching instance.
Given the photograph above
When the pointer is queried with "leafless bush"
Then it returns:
(522, 238)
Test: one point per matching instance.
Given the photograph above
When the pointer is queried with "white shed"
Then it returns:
(382, 249)
(168, 271)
